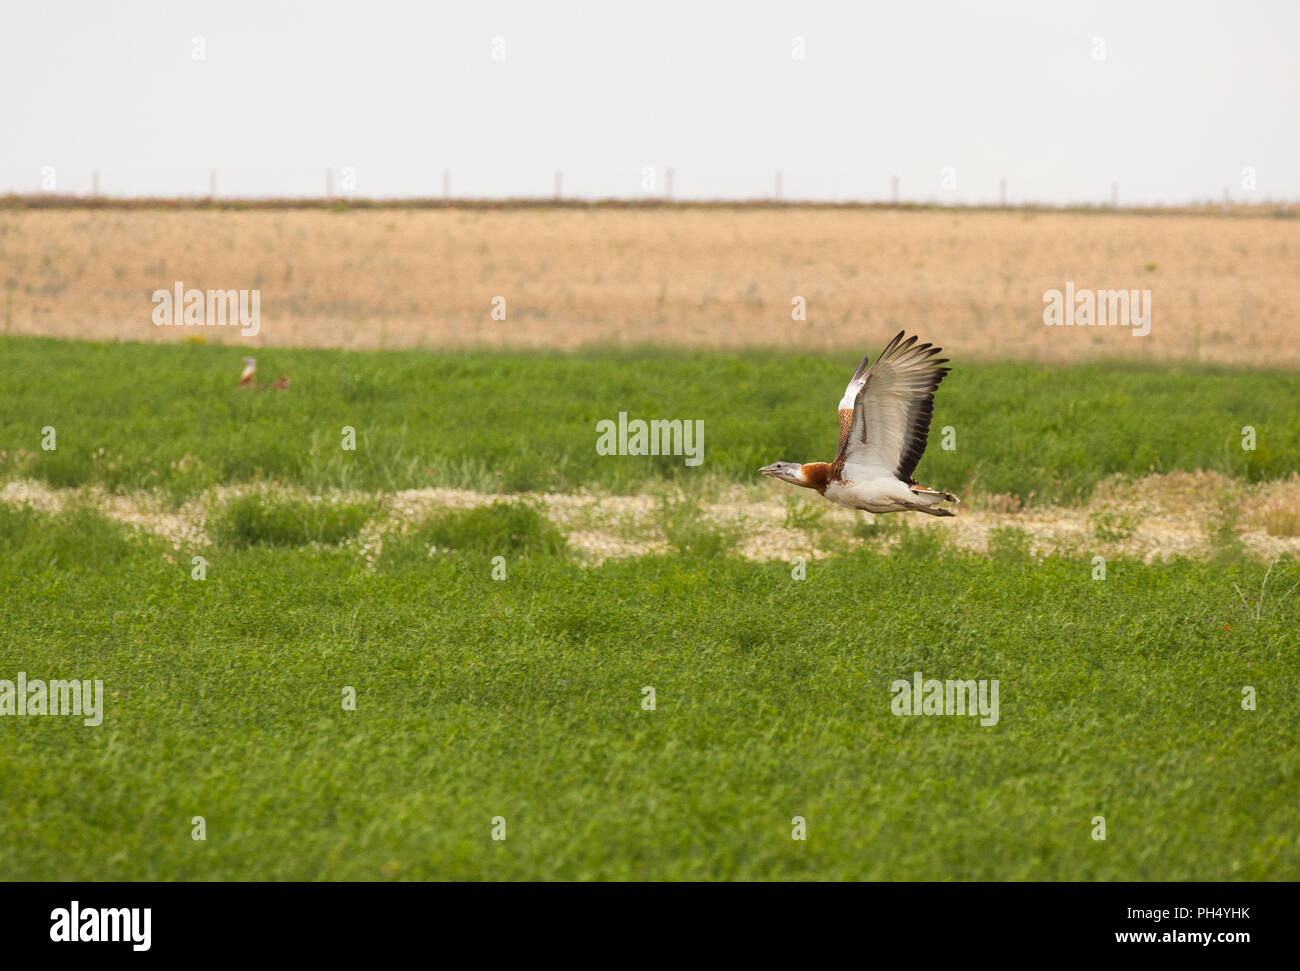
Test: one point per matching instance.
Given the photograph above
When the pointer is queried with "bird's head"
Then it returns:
(791, 472)
(250, 362)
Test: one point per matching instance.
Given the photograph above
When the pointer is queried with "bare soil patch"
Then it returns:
(1156, 517)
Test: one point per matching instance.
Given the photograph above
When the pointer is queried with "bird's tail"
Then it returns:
(942, 495)
(929, 508)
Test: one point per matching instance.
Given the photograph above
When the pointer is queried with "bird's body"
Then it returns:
(883, 494)
(884, 423)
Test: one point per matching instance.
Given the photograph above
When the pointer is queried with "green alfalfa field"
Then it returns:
(500, 679)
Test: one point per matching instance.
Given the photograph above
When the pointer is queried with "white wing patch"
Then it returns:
(892, 403)
(855, 385)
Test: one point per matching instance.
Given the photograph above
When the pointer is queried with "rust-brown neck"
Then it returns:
(817, 475)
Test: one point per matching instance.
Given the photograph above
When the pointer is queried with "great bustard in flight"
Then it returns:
(884, 421)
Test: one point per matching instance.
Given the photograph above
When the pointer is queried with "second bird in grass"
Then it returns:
(250, 369)
(884, 422)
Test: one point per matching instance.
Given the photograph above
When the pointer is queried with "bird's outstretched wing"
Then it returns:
(886, 409)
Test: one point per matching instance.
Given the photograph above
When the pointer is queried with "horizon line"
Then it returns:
(50, 200)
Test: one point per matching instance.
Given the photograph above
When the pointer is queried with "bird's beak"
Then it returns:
(768, 470)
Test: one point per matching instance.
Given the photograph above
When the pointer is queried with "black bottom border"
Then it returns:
(334, 920)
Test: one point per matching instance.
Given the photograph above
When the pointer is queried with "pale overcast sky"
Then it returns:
(1182, 98)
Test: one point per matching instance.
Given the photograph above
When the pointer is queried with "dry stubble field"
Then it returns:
(1224, 289)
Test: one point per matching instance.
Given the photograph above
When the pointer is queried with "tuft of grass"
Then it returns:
(501, 529)
(1113, 525)
(268, 519)
(802, 514)
(1279, 513)
(688, 532)
(1282, 521)
(1254, 604)
(879, 527)
(188, 476)
(918, 541)
(1010, 543)
(1224, 530)
(76, 539)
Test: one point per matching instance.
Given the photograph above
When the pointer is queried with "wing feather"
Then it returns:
(892, 405)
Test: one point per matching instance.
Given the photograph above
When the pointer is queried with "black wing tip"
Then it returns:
(892, 344)
(901, 342)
